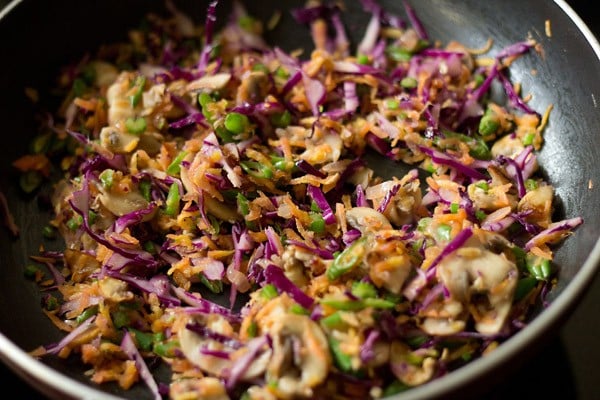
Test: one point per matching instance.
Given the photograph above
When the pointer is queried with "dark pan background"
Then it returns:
(568, 367)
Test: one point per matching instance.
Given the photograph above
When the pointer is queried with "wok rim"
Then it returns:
(51, 382)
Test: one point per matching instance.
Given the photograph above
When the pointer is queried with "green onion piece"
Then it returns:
(333, 320)
(478, 148)
(74, 222)
(342, 360)
(175, 167)
(282, 73)
(409, 83)
(444, 231)
(528, 139)
(269, 291)
(362, 59)
(423, 224)
(282, 164)
(243, 205)
(139, 83)
(252, 329)
(348, 259)
(454, 207)
(49, 232)
(281, 120)
(531, 184)
(540, 268)
(257, 169)
(524, 286)
(79, 87)
(480, 215)
(483, 185)
(51, 303)
(398, 54)
(489, 124)
(317, 223)
(224, 134)
(416, 341)
(145, 189)
(107, 178)
(166, 349)
(478, 79)
(215, 286)
(363, 290)
(136, 126)
(145, 340)
(344, 305)
(392, 104)
(261, 68)
(172, 202)
(520, 258)
(30, 180)
(30, 271)
(236, 123)
(87, 313)
(379, 303)
(298, 309)
(120, 318)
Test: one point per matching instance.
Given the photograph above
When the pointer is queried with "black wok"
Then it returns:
(38, 37)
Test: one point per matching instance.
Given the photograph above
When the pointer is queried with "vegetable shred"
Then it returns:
(229, 232)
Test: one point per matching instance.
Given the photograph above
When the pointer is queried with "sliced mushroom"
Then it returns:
(207, 388)
(193, 344)
(403, 206)
(209, 82)
(411, 368)
(121, 203)
(482, 280)
(537, 205)
(366, 219)
(116, 141)
(301, 358)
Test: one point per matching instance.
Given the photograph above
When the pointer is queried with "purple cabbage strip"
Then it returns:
(128, 346)
(55, 348)
(562, 226)
(212, 335)
(275, 276)
(452, 246)
(445, 159)
(242, 364)
(158, 284)
(319, 198)
(203, 306)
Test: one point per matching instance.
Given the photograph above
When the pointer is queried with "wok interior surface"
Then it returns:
(564, 76)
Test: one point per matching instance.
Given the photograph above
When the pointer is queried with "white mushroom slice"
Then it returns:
(116, 141)
(301, 357)
(153, 97)
(293, 265)
(508, 146)
(123, 202)
(115, 290)
(390, 265)
(483, 281)
(366, 219)
(192, 343)
(207, 388)
(444, 318)
(538, 203)
(209, 82)
(402, 207)
(119, 105)
(411, 368)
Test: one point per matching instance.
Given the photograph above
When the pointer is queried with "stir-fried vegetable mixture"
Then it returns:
(220, 216)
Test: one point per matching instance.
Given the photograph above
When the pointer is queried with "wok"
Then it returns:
(34, 46)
